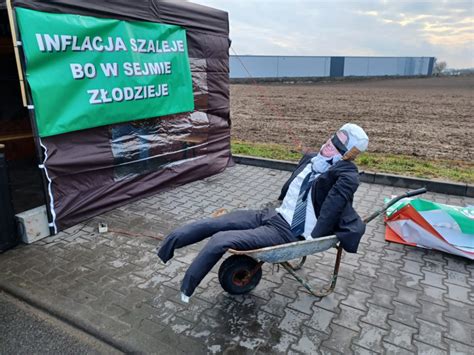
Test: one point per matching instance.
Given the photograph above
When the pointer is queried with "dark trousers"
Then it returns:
(241, 230)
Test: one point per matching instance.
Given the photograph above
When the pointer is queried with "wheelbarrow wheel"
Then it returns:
(239, 274)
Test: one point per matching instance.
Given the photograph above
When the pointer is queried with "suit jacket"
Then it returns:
(332, 194)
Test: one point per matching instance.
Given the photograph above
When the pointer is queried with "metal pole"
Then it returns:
(17, 54)
(28, 102)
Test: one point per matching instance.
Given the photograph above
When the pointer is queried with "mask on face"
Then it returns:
(320, 164)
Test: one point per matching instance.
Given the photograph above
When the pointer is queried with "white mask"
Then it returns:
(320, 164)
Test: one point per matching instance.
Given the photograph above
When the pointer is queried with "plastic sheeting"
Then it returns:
(432, 225)
(95, 170)
(145, 146)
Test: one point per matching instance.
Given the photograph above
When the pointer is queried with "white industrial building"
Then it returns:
(263, 66)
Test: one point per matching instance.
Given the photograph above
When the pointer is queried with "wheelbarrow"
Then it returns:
(241, 272)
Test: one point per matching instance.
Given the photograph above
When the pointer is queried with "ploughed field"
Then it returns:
(423, 117)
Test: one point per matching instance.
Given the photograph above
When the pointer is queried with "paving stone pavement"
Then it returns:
(389, 298)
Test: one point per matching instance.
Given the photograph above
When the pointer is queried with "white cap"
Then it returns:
(357, 137)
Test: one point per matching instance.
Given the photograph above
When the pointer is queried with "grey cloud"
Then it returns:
(386, 28)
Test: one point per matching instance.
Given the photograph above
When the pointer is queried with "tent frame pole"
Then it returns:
(28, 102)
(17, 53)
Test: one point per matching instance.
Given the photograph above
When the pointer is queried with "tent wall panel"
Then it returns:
(95, 170)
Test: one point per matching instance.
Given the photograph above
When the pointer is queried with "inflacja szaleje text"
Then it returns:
(62, 43)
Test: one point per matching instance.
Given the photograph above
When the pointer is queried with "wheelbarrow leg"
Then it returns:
(325, 290)
(336, 269)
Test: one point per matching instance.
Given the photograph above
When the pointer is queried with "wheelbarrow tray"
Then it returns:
(285, 252)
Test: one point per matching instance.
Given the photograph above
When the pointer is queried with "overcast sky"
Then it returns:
(444, 29)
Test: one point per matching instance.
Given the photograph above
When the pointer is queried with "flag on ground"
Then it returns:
(432, 225)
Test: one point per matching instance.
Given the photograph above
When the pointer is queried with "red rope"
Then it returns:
(296, 141)
(136, 235)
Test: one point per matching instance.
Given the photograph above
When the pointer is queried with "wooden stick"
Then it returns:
(11, 19)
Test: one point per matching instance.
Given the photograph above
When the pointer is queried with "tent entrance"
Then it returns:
(15, 128)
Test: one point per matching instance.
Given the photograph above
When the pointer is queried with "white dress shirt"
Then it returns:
(288, 206)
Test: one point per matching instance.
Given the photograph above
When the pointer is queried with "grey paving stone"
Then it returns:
(401, 335)
(423, 348)
(386, 282)
(321, 319)
(393, 256)
(293, 321)
(431, 333)
(407, 296)
(356, 349)
(375, 245)
(288, 288)
(405, 314)
(310, 341)
(458, 310)
(362, 283)
(367, 269)
(278, 343)
(409, 280)
(435, 260)
(456, 264)
(114, 311)
(340, 339)
(432, 313)
(382, 297)
(415, 254)
(202, 330)
(456, 278)
(389, 298)
(331, 302)
(458, 293)
(349, 317)
(193, 311)
(371, 337)
(433, 295)
(303, 303)
(377, 316)
(276, 304)
(456, 348)
(357, 299)
(433, 279)
(460, 331)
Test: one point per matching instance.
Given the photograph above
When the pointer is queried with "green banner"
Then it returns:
(87, 72)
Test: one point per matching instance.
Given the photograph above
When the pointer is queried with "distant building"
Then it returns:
(263, 66)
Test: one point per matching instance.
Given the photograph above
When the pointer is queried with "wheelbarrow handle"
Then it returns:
(415, 192)
(393, 201)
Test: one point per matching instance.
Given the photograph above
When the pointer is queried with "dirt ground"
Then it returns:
(424, 117)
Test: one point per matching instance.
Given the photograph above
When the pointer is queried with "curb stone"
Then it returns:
(76, 322)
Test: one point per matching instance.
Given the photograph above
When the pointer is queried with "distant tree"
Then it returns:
(439, 67)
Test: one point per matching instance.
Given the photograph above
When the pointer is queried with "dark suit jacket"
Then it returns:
(332, 194)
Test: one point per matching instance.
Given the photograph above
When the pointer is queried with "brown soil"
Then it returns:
(425, 117)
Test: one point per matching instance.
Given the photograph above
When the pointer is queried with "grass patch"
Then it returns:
(265, 150)
(458, 171)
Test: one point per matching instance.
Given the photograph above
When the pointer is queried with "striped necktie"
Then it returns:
(299, 216)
